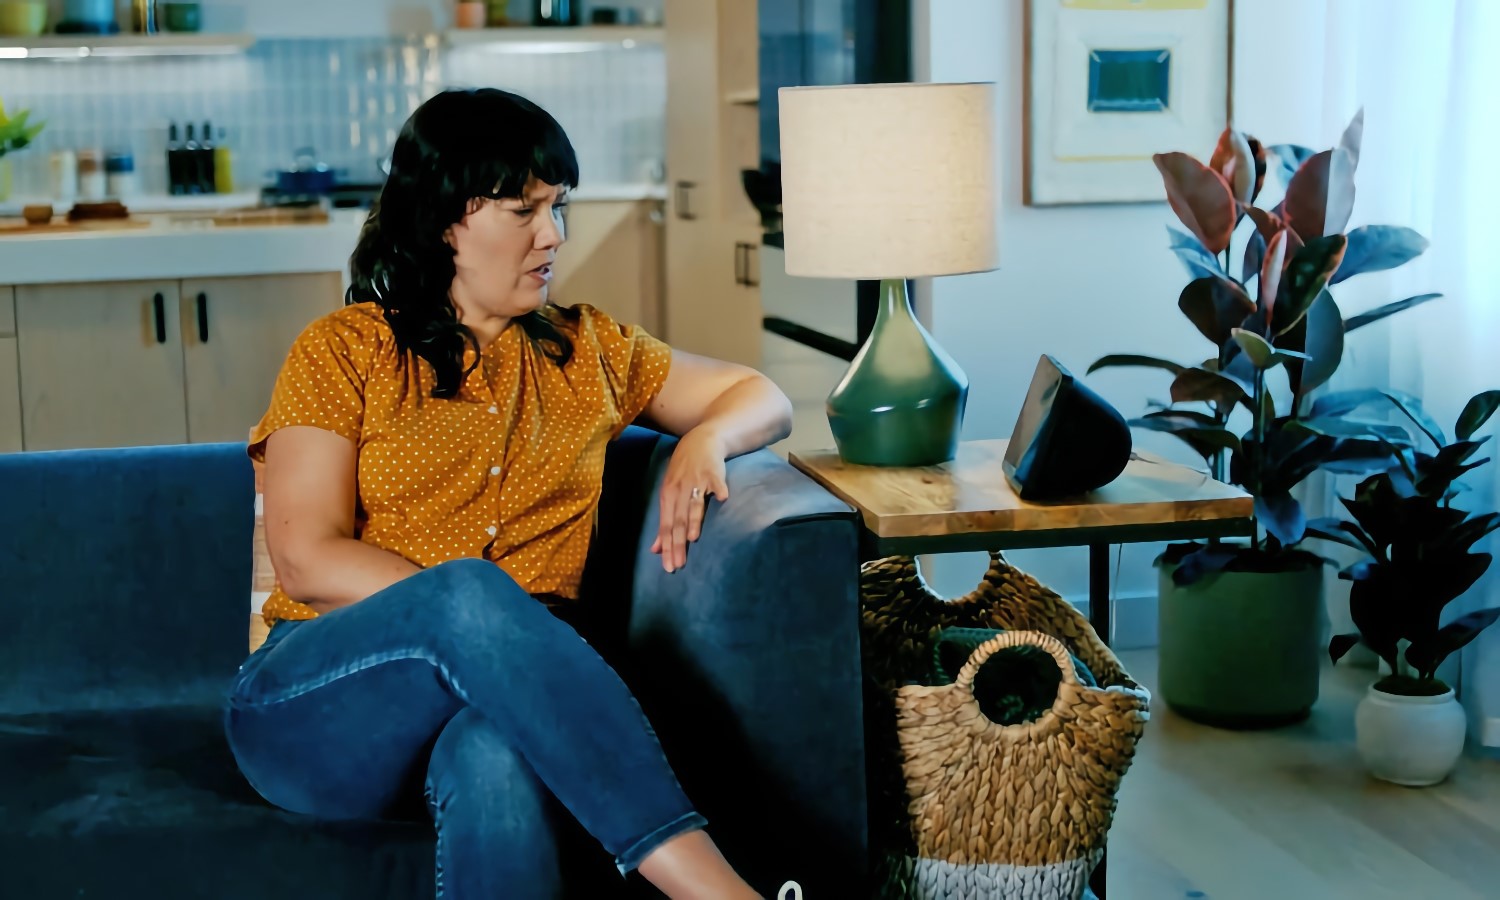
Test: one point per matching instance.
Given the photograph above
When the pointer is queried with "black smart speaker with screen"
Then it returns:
(1067, 441)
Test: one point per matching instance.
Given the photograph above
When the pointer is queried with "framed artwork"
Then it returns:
(1108, 83)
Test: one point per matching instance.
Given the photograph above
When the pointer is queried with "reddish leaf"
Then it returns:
(1216, 306)
(1269, 224)
(1307, 197)
(1232, 160)
(1201, 385)
(1200, 197)
(1257, 153)
(1270, 272)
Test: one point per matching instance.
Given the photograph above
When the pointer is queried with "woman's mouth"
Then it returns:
(542, 273)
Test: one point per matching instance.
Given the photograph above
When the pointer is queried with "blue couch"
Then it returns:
(124, 585)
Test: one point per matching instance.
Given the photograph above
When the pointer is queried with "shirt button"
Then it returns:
(494, 409)
(491, 530)
(495, 470)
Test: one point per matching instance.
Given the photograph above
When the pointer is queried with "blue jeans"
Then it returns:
(456, 682)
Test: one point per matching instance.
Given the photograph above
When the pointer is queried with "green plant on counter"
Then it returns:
(1418, 546)
(15, 133)
(1273, 351)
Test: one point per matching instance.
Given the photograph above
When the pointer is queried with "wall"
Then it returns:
(1079, 282)
(345, 97)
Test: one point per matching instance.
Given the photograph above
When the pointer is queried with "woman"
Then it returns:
(433, 460)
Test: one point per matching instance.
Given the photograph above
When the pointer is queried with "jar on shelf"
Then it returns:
(120, 177)
(93, 185)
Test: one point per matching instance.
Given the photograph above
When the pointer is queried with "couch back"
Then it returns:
(124, 575)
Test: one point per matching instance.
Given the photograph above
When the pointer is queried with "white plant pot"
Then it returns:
(1413, 741)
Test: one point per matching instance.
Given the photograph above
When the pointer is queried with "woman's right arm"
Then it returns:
(309, 516)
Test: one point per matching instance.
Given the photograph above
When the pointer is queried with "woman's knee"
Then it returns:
(474, 596)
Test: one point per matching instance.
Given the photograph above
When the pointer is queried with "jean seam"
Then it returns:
(633, 855)
(353, 668)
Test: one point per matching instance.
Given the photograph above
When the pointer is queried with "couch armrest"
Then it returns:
(749, 663)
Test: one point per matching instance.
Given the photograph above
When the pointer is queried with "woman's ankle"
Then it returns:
(690, 866)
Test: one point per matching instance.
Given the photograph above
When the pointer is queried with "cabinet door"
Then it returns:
(612, 260)
(101, 365)
(10, 397)
(236, 333)
(721, 315)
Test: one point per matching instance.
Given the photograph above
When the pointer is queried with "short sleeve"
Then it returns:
(321, 383)
(635, 364)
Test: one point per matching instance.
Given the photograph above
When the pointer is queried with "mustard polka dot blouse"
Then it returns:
(509, 470)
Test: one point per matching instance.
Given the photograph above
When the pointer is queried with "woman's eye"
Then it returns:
(524, 212)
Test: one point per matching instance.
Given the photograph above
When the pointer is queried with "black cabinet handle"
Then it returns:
(684, 208)
(202, 318)
(742, 251)
(159, 306)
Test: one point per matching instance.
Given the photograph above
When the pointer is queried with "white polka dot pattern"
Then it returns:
(510, 470)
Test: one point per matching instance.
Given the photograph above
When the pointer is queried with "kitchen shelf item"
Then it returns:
(528, 39)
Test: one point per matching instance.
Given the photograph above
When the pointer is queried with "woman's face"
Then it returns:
(504, 250)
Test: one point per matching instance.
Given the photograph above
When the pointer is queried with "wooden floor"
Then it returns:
(1290, 815)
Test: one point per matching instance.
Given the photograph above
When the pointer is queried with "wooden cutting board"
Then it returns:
(60, 225)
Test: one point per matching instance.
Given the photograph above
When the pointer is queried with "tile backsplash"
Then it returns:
(347, 98)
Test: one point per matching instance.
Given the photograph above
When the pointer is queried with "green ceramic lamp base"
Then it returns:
(902, 401)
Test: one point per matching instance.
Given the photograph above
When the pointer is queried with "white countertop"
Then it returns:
(199, 250)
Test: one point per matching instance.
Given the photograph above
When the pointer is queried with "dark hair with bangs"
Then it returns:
(458, 147)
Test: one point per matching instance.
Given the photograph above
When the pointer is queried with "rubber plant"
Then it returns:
(1418, 546)
(1277, 332)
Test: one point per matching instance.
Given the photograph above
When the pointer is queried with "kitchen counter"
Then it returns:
(173, 248)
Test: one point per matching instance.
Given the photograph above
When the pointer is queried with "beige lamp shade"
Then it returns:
(889, 180)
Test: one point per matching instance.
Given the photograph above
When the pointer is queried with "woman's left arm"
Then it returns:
(719, 410)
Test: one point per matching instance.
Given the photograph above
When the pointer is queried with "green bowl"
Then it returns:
(182, 17)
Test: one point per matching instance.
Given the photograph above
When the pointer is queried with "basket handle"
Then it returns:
(1007, 640)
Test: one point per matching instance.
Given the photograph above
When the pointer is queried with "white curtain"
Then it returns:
(1426, 73)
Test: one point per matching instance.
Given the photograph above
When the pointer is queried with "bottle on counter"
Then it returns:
(192, 163)
(223, 164)
(63, 166)
(556, 12)
(93, 183)
(119, 172)
(176, 184)
(206, 155)
(143, 16)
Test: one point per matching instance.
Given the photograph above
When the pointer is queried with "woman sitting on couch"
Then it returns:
(434, 456)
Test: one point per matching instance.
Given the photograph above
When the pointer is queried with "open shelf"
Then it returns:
(528, 39)
(122, 46)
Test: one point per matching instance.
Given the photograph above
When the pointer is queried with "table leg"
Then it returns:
(1099, 602)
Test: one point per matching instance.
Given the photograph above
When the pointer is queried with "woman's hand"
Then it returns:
(695, 473)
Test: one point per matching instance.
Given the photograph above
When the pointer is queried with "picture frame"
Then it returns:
(1109, 83)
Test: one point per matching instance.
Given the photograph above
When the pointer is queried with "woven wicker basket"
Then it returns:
(962, 806)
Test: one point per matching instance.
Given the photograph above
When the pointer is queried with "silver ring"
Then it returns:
(697, 493)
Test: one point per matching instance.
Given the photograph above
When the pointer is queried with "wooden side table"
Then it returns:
(968, 504)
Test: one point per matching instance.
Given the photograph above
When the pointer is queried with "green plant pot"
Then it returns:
(1241, 649)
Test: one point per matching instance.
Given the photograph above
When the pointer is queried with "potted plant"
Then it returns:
(15, 134)
(1418, 558)
(1241, 623)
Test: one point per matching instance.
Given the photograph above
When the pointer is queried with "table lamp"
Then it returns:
(891, 182)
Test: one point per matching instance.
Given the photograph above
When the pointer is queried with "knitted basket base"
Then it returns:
(932, 879)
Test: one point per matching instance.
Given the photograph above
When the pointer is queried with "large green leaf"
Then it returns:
(1340, 644)
(1375, 248)
(1260, 352)
(1201, 432)
(1427, 653)
(1216, 306)
(1320, 335)
(1390, 309)
(1204, 386)
(1342, 532)
(1476, 412)
(1200, 197)
(1305, 277)
(1282, 517)
(1132, 360)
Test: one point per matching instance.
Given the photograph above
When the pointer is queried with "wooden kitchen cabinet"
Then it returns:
(235, 336)
(10, 374)
(711, 306)
(613, 260)
(100, 365)
(143, 363)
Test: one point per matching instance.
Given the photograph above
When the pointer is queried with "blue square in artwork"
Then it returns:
(1129, 80)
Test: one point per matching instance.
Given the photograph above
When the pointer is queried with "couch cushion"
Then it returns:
(148, 803)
